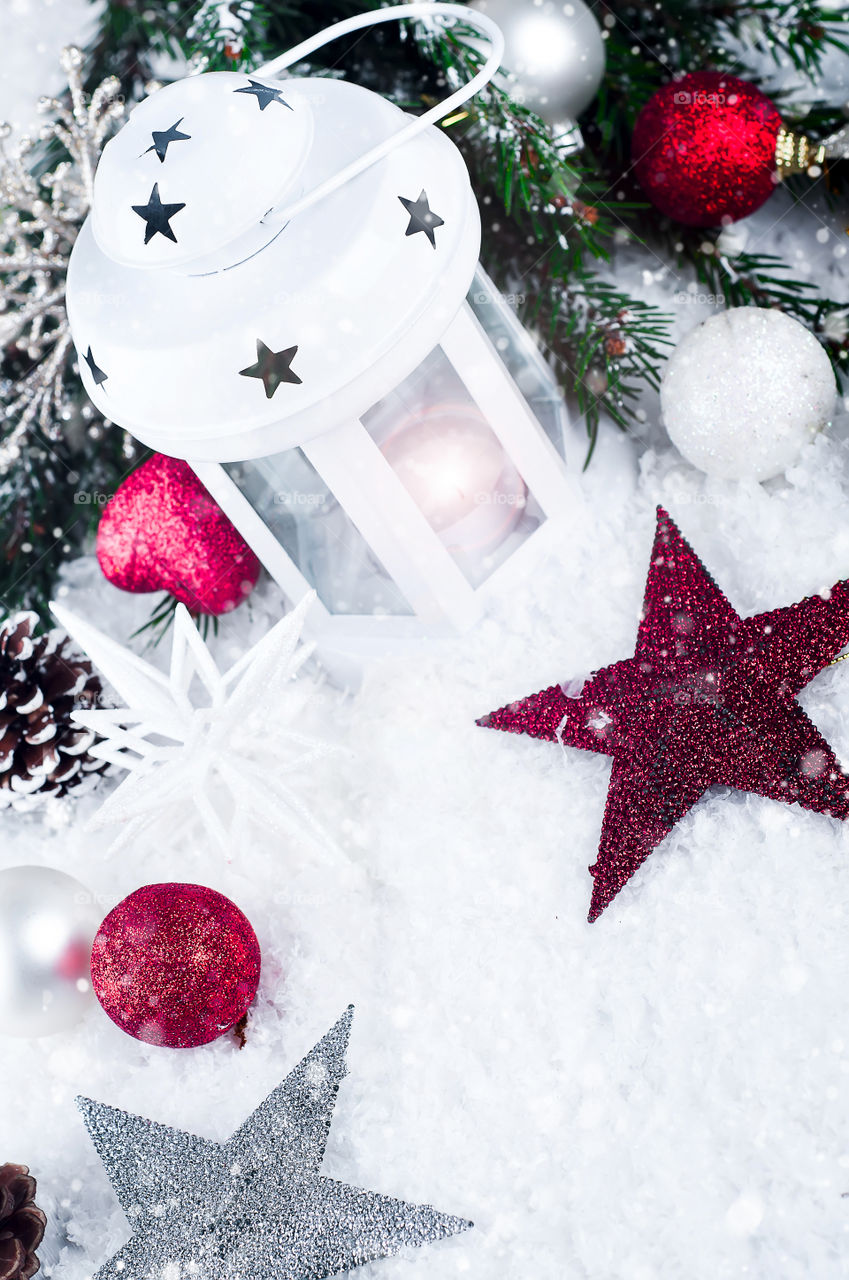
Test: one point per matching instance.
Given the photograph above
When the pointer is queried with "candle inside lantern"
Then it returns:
(452, 464)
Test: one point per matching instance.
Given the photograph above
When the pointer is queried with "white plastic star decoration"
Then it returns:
(201, 743)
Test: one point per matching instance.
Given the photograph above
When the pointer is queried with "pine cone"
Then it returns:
(42, 752)
(22, 1223)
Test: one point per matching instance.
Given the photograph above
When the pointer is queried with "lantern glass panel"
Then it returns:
(520, 355)
(318, 536)
(450, 461)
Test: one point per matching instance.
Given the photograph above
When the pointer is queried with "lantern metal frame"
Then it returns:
(443, 601)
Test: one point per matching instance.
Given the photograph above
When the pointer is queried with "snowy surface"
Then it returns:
(663, 1094)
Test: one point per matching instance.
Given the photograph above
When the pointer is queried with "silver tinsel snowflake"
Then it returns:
(40, 215)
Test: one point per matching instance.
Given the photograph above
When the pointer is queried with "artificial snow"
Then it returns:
(662, 1094)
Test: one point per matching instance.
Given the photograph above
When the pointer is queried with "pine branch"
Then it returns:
(764, 280)
(162, 616)
(605, 344)
(131, 39)
(225, 35)
(797, 35)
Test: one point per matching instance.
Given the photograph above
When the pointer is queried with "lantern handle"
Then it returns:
(418, 9)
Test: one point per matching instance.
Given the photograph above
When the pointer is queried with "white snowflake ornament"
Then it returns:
(199, 743)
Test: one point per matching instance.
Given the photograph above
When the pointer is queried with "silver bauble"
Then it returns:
(553, 50)
(47, 925)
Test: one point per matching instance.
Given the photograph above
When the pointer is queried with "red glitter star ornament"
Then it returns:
(708, 698)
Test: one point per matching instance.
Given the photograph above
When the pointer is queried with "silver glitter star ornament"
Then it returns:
(202, 745)
(254, 1207)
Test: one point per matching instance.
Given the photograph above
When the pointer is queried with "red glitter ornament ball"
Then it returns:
(175, 965)
(163, 531)
(704, 149)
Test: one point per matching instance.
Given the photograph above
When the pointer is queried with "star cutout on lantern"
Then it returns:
(273, 367)
(223, 754)
(157, 216)
(422, 218)
(256, 1205)
(97, 374)
(263, 93)
(162, 139)
(709, 698)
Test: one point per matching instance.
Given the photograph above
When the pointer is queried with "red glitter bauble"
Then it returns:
(162, 531)
(704, 149)
(175, 965)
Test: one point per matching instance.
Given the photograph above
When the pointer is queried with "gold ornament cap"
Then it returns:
(796, 153)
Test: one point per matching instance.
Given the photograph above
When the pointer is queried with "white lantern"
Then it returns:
(273, 285)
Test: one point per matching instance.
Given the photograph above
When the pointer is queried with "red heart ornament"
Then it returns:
(162, 531)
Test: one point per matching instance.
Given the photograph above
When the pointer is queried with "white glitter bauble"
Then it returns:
(47, 925)
(744, 392)
(555, 52)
